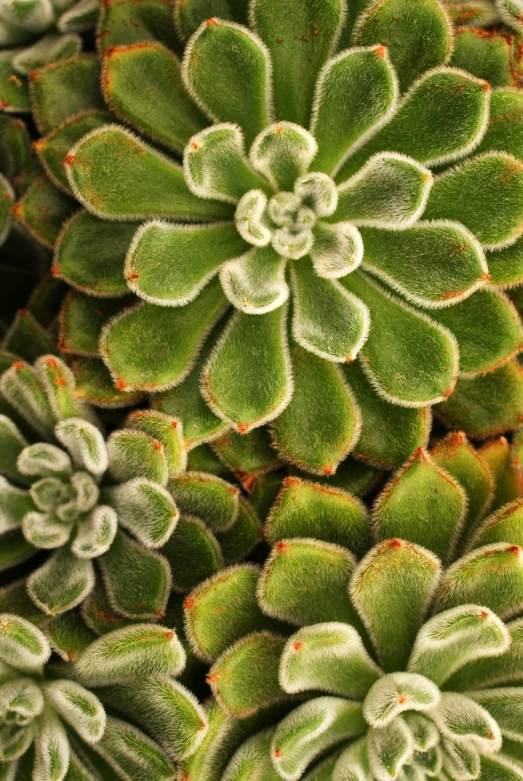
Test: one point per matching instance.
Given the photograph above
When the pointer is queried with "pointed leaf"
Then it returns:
(108, 190)
(167, 430)
(247, 532)
(51, 748)
(14, 92)
(503, 461)
(207, 497)
(61, 583)
(404, 578)
(85, 443)
(68, 635)
(59, 383)
(328, 657)
(42, 210)
(128, 750)
(153, 21)
(252, 759)
(459, 718)
(22, 645)
(95, 533)
(136, 454)
(193, 553)
(337, 249)
(393, 694)
(283, 152)
(255, 282)
(44, 530)
(389, 749)
(78, 707)
(14, 504)
(170, 264)
(97, 613)
(21, 387)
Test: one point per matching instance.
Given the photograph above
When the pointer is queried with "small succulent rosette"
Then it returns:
(345, 659)
(54, 728)
(347, 206)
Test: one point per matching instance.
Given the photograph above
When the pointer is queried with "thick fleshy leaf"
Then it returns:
(408, 358)
(85, 443)
(250, 347)
(441, 118)
(226, 69)
(23, 390)
(255, 282)
(328, 657)
(64, 90)
(153, 21)
(491, 575)
(45, 530)
(68, 635)
(193, 553)
(488, 404)
(171, 336)
(107, 189)
(22, 645)
(505, 707)
(170, 264)
(90, 254)
(15, 549)
(44, 460)
(94, 384)
(338, 337)
(49, 49)
(131, 753)
(307, 509)
(244, 678)
(503, 461)
(59, 384)
(51, 748)
(322, 423)
(311, 729)
(82, 319)
(61, 583)
(98, 615)
(283, 152)
(391, 190)
(168, 431)
(247, 532)
(299, 38)
(246, 455)
(389, 434)
(484, 194)
(305, 581)
(506, 265)
(136, 454)
(406, 507)
(504, 127)
(337, 249)
(143, 86)
(215, 164)
(144, 508)
(455, 455)
(12, 442)
(393, 694)
(207, 497)
(351, 765)
(459, 718)
(455, 637)
(21, 700)
(42, 210)
(419, 37)
(252, 759)
(355, 93)
(404, 578)
(502, 526)
(78, 707)
(230, 598)
(95, 533)
(14, 89)
(389, 749)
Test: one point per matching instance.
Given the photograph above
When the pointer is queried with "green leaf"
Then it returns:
(68, 635)
(78, 707)
(337, 249)
(488, 404)
(251, 347)
(455, 455)
(247, 455)
(169, 265)
(51, 748)
(95, 533)
(42, 210)
(14, 92)
(282, 152)
(82, 318)
(49, 49)
(252, 759)
(312, 510)
(448, 641)
(136, 454)
(338, 337)
(95, 386)
(489, 57)
(389, 749)
(355, 93)
(64, 90)
(321, 424)
(172, 337)
(22, 645)
(14, 550)
(144, 508)
(255, 282)
(90, 253)
(208, 497)
(98, 614)
(502, 526)
(441, 119)
(58, 382)
(328, 657)
(126, 23)
(226, 69)
(310, 730)
(143, 86)
(15, 600)
(45, 530)
(21, 699)
(61, 583)
(408, 358)
(300, 38)
(193, 553)
(490, 576)
(398, 692)
(22, 388)
(85, 443)
(404, 578)
(484, 194)
(12, 442)
(135, 651)
(129, 751)
(418, 37)
(247, 532)
(107, 189)
(389, 434)
(53, 148)
(406, 507)
(305, 581)
(27, 338)
(244, 679)
(503, 463)
(506, 265)
(230, 598)
(504, 705)
(167, 430)
(459, 718)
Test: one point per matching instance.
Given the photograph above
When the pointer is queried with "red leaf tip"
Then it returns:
(212, 22)
(297, 646)
(381, 51)
(188, 603)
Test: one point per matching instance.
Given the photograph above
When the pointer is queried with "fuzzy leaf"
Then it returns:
(393, 694)
(224, 59)
(307, 509)
(459, 718)
(207, 497)
(45, 530)
(404, 578)
(328, 657)
(337, 249)
(126, 160)
(59, 383)
(193, 553)
(247, 532)
(144, 508)
(68, 635)
(311, 729)
(129, 751)
(504, 126)
(319, 573)
(143, 86)
(14, 93)
(78, 707)
(22, 645)
(85, 443)
(255, 282)
(406, 507)
(23, 390)
(138, 581)
(504, 705)
(21, 700)
(95, 533)
(51, 749)
(503, 461)
(167, 430)
(134, 651)
(282, 153)
(355, 92)
(153, 21)
(136, 454)
(15, 549)
(61, 583)
(170, 264)
(389, 749)
(244, 678)
(42, 210)
(14, 504)
(252, 759)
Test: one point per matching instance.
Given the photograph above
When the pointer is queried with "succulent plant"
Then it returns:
(406, 624)
(356, 162)
(34, 33)
(52, 727)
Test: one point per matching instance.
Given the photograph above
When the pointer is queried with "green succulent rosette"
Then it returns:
(373, 647)
(318, 257)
